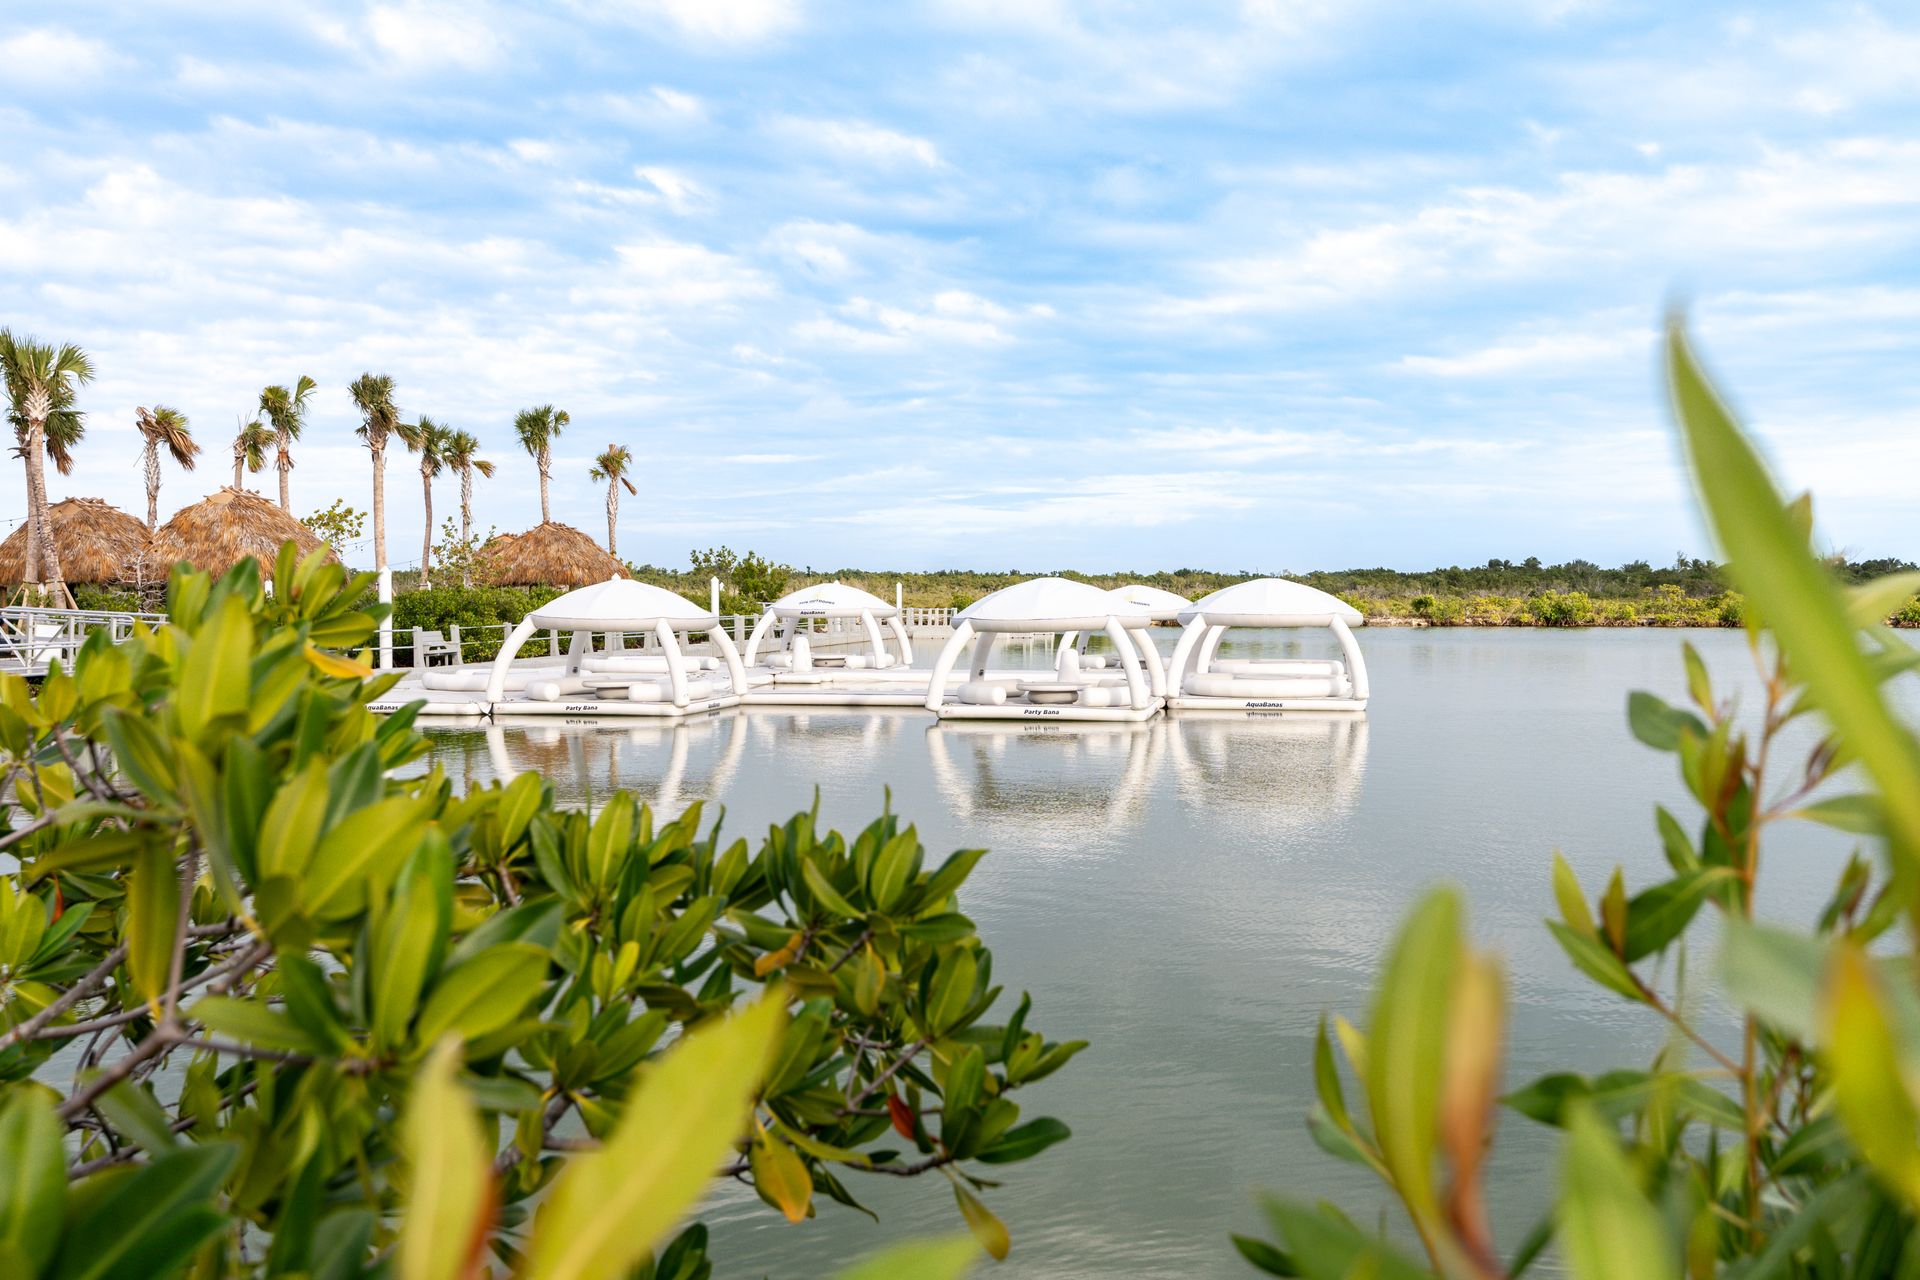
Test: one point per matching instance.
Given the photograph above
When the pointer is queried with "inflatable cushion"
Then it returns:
(982, 693)
(1217, 685)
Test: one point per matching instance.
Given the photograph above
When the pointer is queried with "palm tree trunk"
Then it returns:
(32, 572)
(285, 466)
(466, 525)
(544, 514)
(613, 513)
(152, 463)
(379, 453)
(239, 461)
(48, 570)
(426, 542)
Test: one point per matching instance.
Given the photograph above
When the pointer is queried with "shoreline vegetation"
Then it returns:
(1500, 593)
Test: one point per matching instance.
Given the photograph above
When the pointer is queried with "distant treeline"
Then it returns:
(1689, 592)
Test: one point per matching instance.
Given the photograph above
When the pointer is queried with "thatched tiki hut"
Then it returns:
(549, 554)
(98, 542)
(220, 531)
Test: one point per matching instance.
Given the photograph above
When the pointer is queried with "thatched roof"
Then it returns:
(549, 554)
(98, 542)
(225, 528)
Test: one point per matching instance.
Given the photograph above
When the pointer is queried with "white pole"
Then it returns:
(713, 594)
(386, 624)
(899, 596)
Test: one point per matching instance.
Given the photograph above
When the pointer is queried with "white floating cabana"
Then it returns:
(1201, 680)
(1160, 604)
(1075, 691)
(788, 622)
(791, 665)
(667, 681)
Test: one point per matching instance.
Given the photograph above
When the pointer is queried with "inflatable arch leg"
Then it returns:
(943, 666)
(1356, 665)
(1130, 662)
(761, 626)
(1177, 666)
(497, 678)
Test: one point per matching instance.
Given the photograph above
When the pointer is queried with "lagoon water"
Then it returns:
(1192, 894)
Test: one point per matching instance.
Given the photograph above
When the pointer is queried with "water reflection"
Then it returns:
(1273, 772)
(1044, 787)
(1070, 777)
(653, 756)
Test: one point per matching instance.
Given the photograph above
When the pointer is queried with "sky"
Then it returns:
(1270, 285)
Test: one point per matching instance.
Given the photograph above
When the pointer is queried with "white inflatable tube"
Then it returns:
(943, 665)
(1213, 684)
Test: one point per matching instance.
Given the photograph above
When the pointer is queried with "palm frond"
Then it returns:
(169, 429)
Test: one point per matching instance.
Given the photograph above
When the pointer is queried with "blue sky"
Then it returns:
(1280, 284)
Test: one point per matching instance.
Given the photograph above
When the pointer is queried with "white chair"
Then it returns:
(430, 647)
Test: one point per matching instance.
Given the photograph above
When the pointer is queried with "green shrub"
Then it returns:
(345, 1023)
(1783, 1140)
(88, 595)
(481, 613)
(1557, 609)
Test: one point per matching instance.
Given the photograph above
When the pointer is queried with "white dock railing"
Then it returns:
(32, 639)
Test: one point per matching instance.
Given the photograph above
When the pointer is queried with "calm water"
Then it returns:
(1191, 895)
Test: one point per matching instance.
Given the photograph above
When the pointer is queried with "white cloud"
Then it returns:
(860, 140)
(720, 22)
(55, 56)
(679, 191)
(658, 107)
(431, 34)
(1095, 502)
(954, 318)
(1560, 352)
(1808, 203)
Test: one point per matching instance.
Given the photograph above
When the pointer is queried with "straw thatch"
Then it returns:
(97, 541)
(549, 554)
(219, 531)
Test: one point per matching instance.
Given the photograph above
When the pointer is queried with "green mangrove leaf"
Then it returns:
(1608, 1229)
(443, 1230)
(1773, 566)
(947, 1259)
(1869, 1078)
(1408, 1039)
(609, 1207)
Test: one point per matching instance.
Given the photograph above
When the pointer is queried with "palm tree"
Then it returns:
(461, 452)
(379, 419)
(286, 412)
(41, 381)
(611, 466)
(538, 428)
(250, 445)
(429, 440)
(163, 428)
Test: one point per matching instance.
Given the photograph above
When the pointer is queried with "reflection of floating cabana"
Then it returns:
(793, 615)
(1046, 785)
(653, 758)
(614, 680)
(1270, 777)
(1077, 691)
(1201, 680)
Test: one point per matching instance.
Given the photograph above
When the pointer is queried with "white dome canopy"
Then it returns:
(621, 604)
(1161, 605)
(831, 600)
(1056, 604)
(1272, 602)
